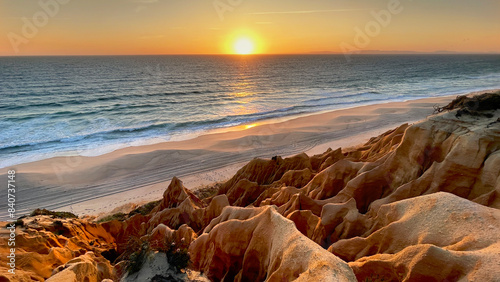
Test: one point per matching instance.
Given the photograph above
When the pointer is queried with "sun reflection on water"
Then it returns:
(243, 92)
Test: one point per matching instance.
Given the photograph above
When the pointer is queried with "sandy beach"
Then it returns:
(95, 185)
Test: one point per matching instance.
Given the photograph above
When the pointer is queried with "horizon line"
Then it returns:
(368, 52)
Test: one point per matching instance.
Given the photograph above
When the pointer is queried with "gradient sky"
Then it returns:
(89, 27)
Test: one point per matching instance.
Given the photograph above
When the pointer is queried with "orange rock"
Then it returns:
(281, 196)
(231, 212)
(263, 247)
(265, 197)
(322, 161)
(215, 208)
(439, 154)
(175, 194)
(305, 221)
(122, 230)
(186, 213)
(339, 221)
(441, 219)
(34, 266)
(189, 213)
(244, 192)
(39, 250)
(332, 180)
(162, 236)
(87, 267)
(426, 262)
(265, 172)
(300, 201)
(296, 178)
(379, 146)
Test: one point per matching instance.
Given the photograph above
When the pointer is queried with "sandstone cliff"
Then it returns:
(417, 203)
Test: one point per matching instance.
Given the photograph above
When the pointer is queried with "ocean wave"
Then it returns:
(31, 106)
(70, 101)
(353, 95)
(485, 76)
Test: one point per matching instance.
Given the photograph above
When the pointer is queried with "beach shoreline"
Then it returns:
(96, 150)
(100, 184)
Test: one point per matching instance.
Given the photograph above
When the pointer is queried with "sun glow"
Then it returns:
(244, 46)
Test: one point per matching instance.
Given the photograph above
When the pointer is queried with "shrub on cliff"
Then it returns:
(117, 216)
(474, 106)
(207, 191)
(137, 258)
(54, 214)
(145, 209)
(178, 257)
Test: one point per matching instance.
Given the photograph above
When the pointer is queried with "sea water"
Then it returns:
(91, 105)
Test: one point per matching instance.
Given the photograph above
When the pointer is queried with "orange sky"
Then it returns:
(90, 27)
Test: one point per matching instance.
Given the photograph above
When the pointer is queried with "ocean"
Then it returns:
(60, 106)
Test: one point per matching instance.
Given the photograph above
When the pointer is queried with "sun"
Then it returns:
(243, 46)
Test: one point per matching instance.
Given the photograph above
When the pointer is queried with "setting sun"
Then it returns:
(243, 46)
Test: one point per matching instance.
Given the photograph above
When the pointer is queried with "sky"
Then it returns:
(128, 27)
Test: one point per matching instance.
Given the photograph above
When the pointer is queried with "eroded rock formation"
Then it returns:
(262, 245)
(44, 243)
(417, 203)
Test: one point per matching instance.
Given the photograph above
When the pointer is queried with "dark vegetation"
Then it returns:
(207, 192)
(19, 222)
(145, 209)
(53, 214)
(116, 216)
(137, 258)
(59, 228)
(473, 106)
(177, 256)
